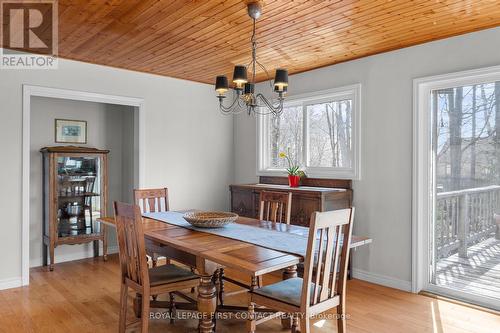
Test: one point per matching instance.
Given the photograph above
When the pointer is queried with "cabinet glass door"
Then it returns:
(79, 195)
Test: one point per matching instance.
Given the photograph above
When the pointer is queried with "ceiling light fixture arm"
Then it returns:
(244, 96)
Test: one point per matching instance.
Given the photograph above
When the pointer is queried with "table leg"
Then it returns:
(288, 273)
(221, 286)
(254, 283)
(207, 302)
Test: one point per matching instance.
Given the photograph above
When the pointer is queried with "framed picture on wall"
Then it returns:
(71, 131)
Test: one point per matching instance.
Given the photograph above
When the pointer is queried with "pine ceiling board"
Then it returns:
(98, 35)
(223, 33)
(288, 40)
(164, 37)
(238, 46)
(239, 51)
(305, 38)
(96, 18)
(125, 29)
(285, 40)
(318, 38)
(409, 33)
(192, 33)
(197, 40)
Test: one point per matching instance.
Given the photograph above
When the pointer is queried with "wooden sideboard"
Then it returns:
(313, 195)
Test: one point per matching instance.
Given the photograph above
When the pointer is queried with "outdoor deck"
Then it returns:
(478, 274)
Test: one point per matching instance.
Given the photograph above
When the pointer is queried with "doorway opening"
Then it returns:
(113, 123)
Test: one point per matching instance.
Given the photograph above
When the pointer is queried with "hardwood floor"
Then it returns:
(83, 296)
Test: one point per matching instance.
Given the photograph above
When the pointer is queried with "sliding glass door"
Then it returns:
(464, 230)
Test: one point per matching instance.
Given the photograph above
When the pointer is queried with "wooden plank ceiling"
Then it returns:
(197, 40)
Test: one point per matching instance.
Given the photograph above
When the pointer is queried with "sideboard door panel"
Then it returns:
(302, 208)
(242, 203)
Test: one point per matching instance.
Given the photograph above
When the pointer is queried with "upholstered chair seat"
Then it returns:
(168, 274)
(287, 291)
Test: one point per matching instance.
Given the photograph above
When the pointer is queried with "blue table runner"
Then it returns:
(272, 239)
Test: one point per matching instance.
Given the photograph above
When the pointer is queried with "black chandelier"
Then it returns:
(244, 96)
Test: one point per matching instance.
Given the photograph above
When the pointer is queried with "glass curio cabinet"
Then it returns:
(75, 185)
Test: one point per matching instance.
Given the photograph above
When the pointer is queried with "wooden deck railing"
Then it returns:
(464, 218)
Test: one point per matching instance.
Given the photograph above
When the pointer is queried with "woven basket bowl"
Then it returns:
(210, 219)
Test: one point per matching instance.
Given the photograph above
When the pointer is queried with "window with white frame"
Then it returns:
(319, 131)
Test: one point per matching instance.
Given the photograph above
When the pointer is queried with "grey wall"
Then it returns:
(109, 127)
(188, 143)
(383, 196)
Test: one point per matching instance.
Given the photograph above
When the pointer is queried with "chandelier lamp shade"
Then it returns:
(243, 88)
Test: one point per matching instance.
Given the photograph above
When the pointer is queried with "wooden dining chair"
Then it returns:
(275, 206)
(135, 273)
(152, 201)
(325, 275)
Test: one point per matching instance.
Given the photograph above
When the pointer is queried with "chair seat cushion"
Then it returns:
(287, 291)
(168, 274)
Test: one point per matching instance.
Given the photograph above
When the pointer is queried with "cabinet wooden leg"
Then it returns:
(289, 273)
(96, 248)
(51, 254)
(45, 253)
(104, 242)
(207, 302)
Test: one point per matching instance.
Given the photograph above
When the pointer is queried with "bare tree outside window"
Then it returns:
(468, 146)
(286, 135)
(330, 134)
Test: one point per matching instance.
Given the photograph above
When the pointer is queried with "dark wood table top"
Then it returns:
(249, 258)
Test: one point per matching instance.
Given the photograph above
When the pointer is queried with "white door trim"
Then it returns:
(421, 174)
(28, 92)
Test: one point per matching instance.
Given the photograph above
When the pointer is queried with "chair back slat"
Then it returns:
(319, 265)
(152, 200)
(131, 248)
(275, 206)
(338, 241)
(325, 272)
(329, 255)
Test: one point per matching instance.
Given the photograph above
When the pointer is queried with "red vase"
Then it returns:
(293, 180)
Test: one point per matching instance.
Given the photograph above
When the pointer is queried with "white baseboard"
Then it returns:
(11, 283)
(381, 279)
(84, 254)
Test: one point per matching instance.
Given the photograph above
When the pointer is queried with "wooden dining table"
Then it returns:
(208, 252)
